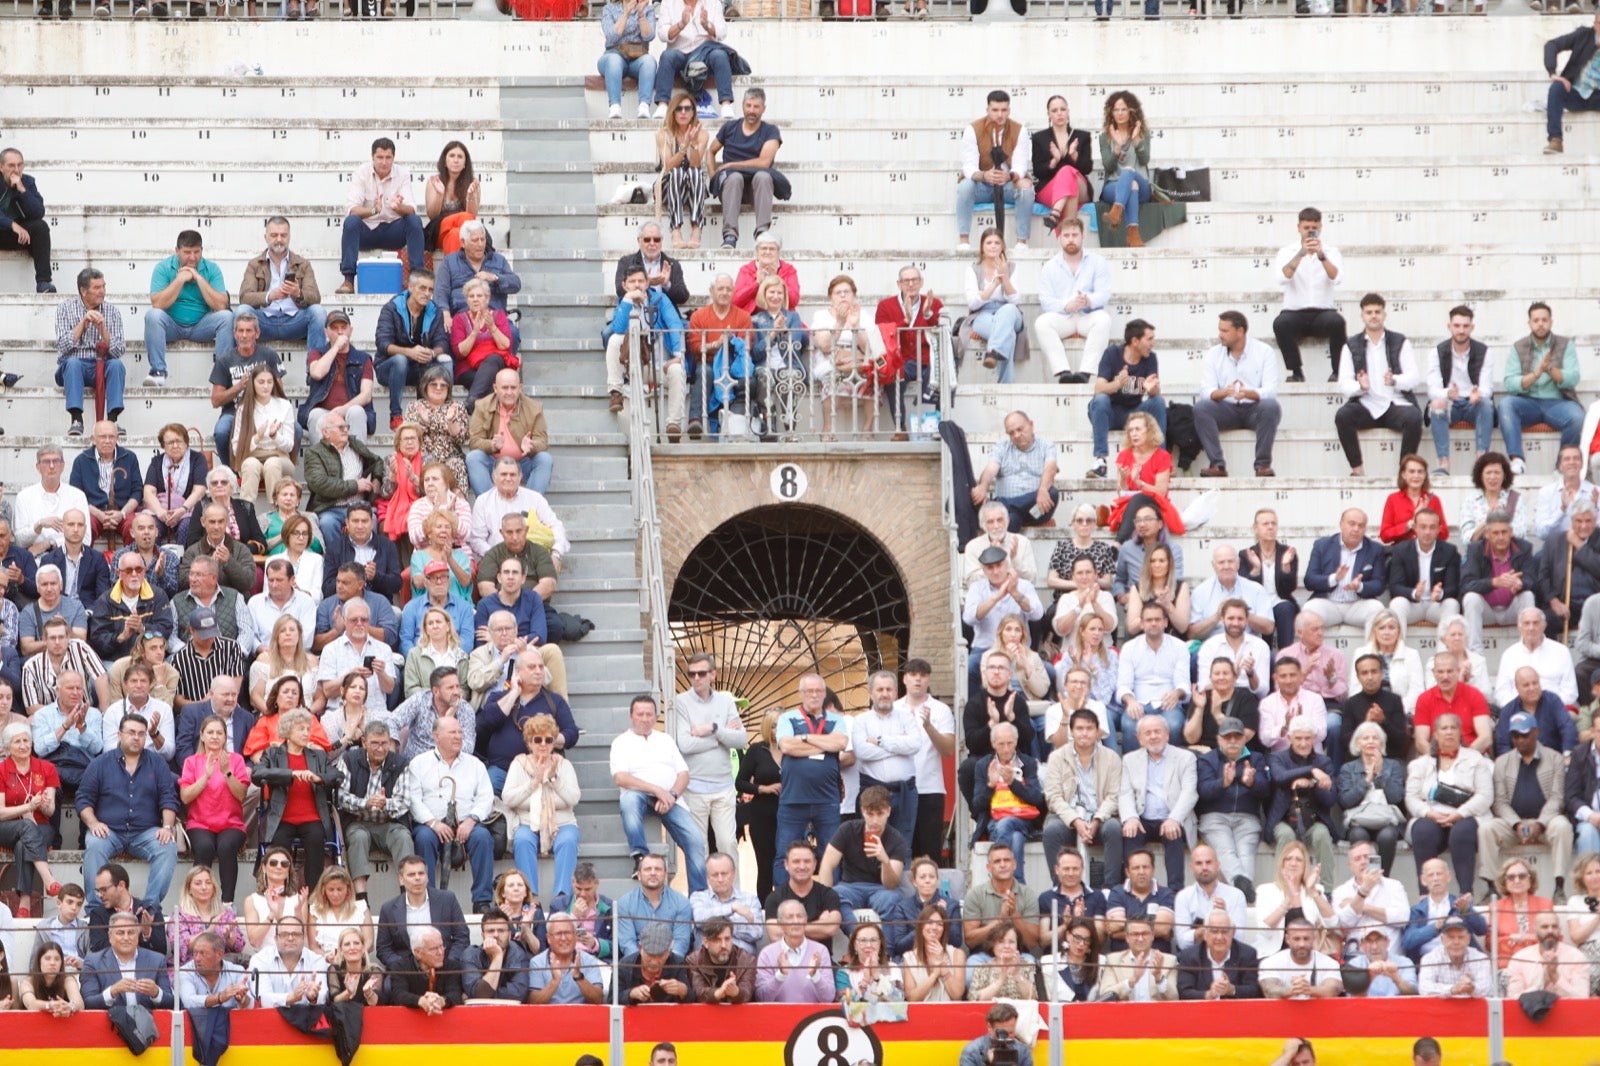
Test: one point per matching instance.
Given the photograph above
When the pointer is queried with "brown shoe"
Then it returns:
(674, 432)
(1114, 216)
(616, 402)
(346, 289)
(1554, 147)
(1265, 471)
(900, 437)
(1214, 471)
(1134, 240)
(1102, 515)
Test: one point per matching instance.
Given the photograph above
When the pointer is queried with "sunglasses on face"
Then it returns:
(544, 740)
(278, 862)
(699, 673)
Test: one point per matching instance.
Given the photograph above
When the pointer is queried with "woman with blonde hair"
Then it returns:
(334, 909)
(149, 648)
(263, 435)
(1028, 672)
(438, 645)
(1144, 469)
(440, 494)
(1090, 650)
(1160, 583)
(1295, 891)
(779, 356)
(440, 545)
(681, 157)
(758, 784)
(542, 790)
(203, 909)
(354, 973)
(993, 314)
(284, 653)
(1402, 666)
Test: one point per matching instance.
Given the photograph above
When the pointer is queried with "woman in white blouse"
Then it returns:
(1295, 892)
(843, 355)
(992, 312)
(1446, 793)
(263, 435)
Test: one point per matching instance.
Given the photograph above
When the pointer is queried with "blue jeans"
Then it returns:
(161, 328)
(1481, 415)
(970, 195)
(673, 62)
(1588, 838)
(480, 858)
(163, 859)
(76, 374)
(399, 371)
(1104, 416)
(525, 849)
(1515, 411)
(535, 471)
(1560, 99)
(1021, 507)
(1333, 746)
(1129, 190)
(331, 523)
(999, 326)
(793, 820)
(614, 67)
(1012, 831)
(1128, 727)
(680, 827)
(854, 895)
(308, 324)
(404, 232)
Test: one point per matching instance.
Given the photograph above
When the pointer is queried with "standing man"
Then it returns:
(188, 302)
(1308, 272)
(1378, 386)
(381, 213)
(1539, 384)
(282, 288)
(1074, 288)
(1571, 90)
(1126, 381)
(749, 151)
(653, 776)
(413, 334)
(994, 166)
(1460, 388)
(936, 722)
(708, 730)
(811, 786)
(1238, 390)
(89, 329)
(1022, 471)
(886, 739)
(22, 219)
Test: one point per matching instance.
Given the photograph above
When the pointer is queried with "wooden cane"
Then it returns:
(1566, 594)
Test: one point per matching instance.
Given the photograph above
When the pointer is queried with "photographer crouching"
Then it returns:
(999, 1046)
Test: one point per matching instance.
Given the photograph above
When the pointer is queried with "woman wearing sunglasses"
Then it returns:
(542, 792)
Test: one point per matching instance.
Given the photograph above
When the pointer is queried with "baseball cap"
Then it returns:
(1523, 722)
(435, 566)
(337, 316)
(203, 623)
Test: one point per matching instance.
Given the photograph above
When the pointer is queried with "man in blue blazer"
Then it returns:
(1347, 573)
(22, 218)
(222, 701)
(104, 983)
(1428, 913)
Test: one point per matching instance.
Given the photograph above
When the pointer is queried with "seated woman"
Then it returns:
(1007, 793)
(298, 533)
(334, 910)
(1296, 891)
(1372, 791)
(517, 901)
(284, 653)
(480, 339)
(1061, 164)
(628, 26)
(394, 510)
(752, 277)
(278, 893)
(1445, 796)
(296, 778)
(1029, 674)
(1144, 470)
(29, 788)
(865, 973)
(1159, 583)
(933, 971)
(681, 158)
(843, 357)
(263, 436)
(223, 487)
(202, 909)
(174, 482)
(1223, 698)
(286, 500)
(441, 528)
(438, 645)
(354, 974)
(1413, 492)
(284, 697)
(542, 791)
(1491, 478)
(213, 786)
(452, 191)
(993, 314)
(1009, 975)
(1125, 158)
(779, 358)
(446, 424)
(346, 722)
(1080, 544)
(1089, 649)
(50, 987)
(1076, 976)
(442, 494)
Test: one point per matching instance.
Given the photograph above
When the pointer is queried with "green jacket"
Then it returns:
(325, 474)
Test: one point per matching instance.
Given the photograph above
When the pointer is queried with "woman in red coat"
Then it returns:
(1413, 493)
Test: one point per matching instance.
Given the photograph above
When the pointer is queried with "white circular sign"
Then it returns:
(788, 482)
(827, 1040)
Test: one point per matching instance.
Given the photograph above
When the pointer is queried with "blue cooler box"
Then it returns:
(378, 275)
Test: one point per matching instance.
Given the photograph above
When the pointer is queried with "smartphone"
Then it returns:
(874, 838)
(367, 661)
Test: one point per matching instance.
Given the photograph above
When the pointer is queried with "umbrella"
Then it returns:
(454, 857)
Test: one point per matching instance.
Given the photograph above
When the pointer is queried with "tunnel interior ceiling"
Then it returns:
(780, 592)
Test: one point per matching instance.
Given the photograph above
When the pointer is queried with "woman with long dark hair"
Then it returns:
(1125, 157)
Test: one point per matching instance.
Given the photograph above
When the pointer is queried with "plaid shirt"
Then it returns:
(395, 805)
(69, 314)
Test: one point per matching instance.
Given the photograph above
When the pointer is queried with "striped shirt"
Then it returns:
(69, 313)
(1021, 471)
(39, 675)
(195, 672)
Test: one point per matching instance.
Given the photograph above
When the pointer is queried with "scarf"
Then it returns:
(394, 512)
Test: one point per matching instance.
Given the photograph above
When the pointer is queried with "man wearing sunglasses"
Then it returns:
(707, 728)
(131, 608)
(664, 273)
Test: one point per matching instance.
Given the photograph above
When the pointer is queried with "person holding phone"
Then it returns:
(1308, 271)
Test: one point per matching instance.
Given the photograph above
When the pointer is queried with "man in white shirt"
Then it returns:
(157, 714)
(1552, 660)
(382, 213)
(451, 785)
(1460, 388)
(994, 519)
(1369, 900)
(1238, 390)
(511, 495)
(1552, 512)
(937, 724)
(285, 974)
(1074, 288)
(356, 649)
(886, 738)
(1208, 893)
(1208, 596)
(281, 598)
(1308, 272)
(708, 729)
(650, 770)
(1152, 677)
(994, 163)
(1248, 652)
(1299, 971)
(1377, 383)
(40, 507)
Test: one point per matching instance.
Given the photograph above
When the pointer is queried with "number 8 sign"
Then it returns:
(826, 1039)
(788, 482)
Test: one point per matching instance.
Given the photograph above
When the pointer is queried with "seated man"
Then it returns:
(1022, 471)
(1378, 382)
(1074, 288)
(413, 334)
(278, 599)
(1369, 900)
(357, 649)
(60, 651)
(1231, 786)
(1425, 574)
(538, 565)
(720, 970)
(714, 335)
(209, 981)
(1208, 894)
(1304, 805)
(1140, 973)
(1126, 380)
(1450, 696)
(1551, 965)
(447, 778)
(722, 900)
(208, 655)
(90, 576)
(332, 492)
(1218, 965)
(108, 476)
(381, 215)
(365, 545)
(236, 566)
(1152, 680)
(998, 593)
(158, 715)
(865, 860)
(1539, 384)
(132, 607)
(1388, 973)
(1233, 641)
(532, 621)
(1238, 390)
(404, 912)
(188, 302)
(1568, 578)
(1497, 579)
(499, 969)
(1460, 388)
(111, 884)
(126, 972)
(994, 166)
(511, 495)
(1552, 721)
(1529, 790)
(38, 510)
(915, 316)
(340, 377)
(651, 772)
(1299, 971)
(1372, 702)
(284, 972)
(232, 371)
(1346, 573)
(50, 604)
(1551, 659)
(22, 214)
(282, 288)
(1308, 271)
(430, 982)
(1290, 702)
(662, 340)
(1162, 812)
(507, 709)
(1139, 897)
(88, 333)
(749, 152)
(509, 424)
(350, 585)
(68, 731)
(373, 794)
(654, 972)
(653, 904)
(475, 259)
(1455, 969)
(664, 273)
(823, 909)
(128, 802)
(564, 973)
(436, 579)
(994, 518)
(1082, 786)
(1148, 531)
(794, 968)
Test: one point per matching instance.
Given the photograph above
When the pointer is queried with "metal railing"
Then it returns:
(777, 386)
(652, 579)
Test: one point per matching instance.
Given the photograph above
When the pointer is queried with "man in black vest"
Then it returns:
(375, 801)
(1460, 387)
(1377, 381)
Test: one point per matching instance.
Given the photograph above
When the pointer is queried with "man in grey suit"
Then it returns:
(1159, 792)
(1079, 818)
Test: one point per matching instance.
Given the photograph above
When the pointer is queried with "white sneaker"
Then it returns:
(615, 111)
(727, 111)
(1518, 467)
(1099, 468)
(154, 380)
(644, 109)
(964, 246)
(661, 111)
(1021, 248)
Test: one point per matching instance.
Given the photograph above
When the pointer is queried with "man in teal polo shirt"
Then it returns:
(188, 302)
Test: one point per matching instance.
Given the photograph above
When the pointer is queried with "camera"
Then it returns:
(1003, 1050)
(1593, 904)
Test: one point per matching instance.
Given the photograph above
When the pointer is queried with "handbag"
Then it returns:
(631, 50)
(1005, 804)
(1447, 794)
(1374, 811)
(1181, 185)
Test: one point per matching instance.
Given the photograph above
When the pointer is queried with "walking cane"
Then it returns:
(1566, 594)
(449, 859)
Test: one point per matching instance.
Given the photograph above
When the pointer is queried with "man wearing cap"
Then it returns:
(1552, 721)
(1455, 969)
(1551, 965)
(1387, 973)
(1529, 787)
(999, 592)
(436, 579)
(1082, 784)
(207, 655)
(341, 379)
(1232, 784)
(655, 973)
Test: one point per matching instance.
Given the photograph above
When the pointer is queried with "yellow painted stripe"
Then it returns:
(770, 1052)
(1552, 1051)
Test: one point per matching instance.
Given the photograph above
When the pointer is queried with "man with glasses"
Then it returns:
(39, 508)
(284, 973)
(128, 802)
(413, 334)
(663, 273)
(131, 608)
(915, 316)
(340, 471)
(350, 586)
(1148, 531)
(374, 796)
(564, 974)
(708, 730)
(358, 651)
